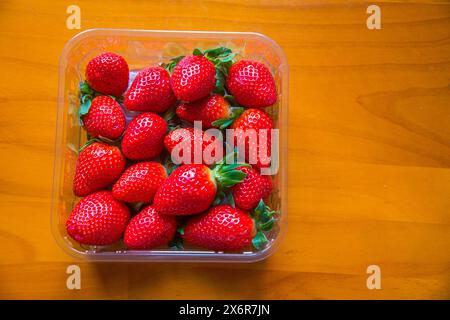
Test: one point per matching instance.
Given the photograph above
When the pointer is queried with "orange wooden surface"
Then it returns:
(369, 151)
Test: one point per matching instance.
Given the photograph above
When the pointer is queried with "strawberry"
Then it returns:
(144, 137)
(103, 117)
(98, 219)
(150, 91)
(98, 166)
(149, 229)
(139, 182)
(255, 187)
(195, 76)
(257, 120)
(187, 140)
(221, 228)
(191, 188)
(251, 84)
(225, 228)
(206, 110)
(108, 73)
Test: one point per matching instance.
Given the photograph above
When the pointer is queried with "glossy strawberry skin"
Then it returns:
(150, 91)
(186, 140)
(98, 219)
(108, 73)
(255, 187)
(189, 189)
(105, 118)
(139, 182)
(222, 228)
(206, 110)
(98, 166)
(257, 120)
(144, 137)
(251, 84)
(193, 78)
(149, 229)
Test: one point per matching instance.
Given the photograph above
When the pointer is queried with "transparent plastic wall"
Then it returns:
(142, 48)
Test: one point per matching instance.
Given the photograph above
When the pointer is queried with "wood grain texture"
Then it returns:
(369, 151)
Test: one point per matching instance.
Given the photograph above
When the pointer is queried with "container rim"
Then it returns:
(184, 33)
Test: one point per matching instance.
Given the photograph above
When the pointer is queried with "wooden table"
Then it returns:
(369, 151)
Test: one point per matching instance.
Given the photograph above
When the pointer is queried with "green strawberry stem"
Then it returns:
(226, 122)
(220, 198)
(225, 170)
(87, 94)
(222, 58)
(173, 122)
(101, 140)
(172, 64)
(227, 175)
(180, 230)
(259, 240)
(109, 141)
(168, 164)
(224, 197)
(89, 142)
(231, 100)
(264, 221)
(177, 242)
(230, 199)
(236, 111)
(105, 140)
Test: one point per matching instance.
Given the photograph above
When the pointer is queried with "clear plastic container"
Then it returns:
(143, 48)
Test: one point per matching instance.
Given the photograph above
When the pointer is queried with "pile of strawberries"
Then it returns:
(130, 187)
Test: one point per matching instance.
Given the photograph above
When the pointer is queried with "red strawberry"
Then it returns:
(144, 137)
(251, 84)
(98, 166)
(139, 182)
(104, 118)
(193, 78)
(98, 219)
(257, 120)
(187, 140)
(149, 229)
(191, 188)
(150, 91)
(255, 187)
(108, 73)
(222, 228)
(206, 110)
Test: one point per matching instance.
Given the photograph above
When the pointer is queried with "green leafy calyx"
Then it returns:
(264, 221)
(222, 58)
(226, 171)
(226, 122)
(88, 143)
(86, 96)
(173, 63)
